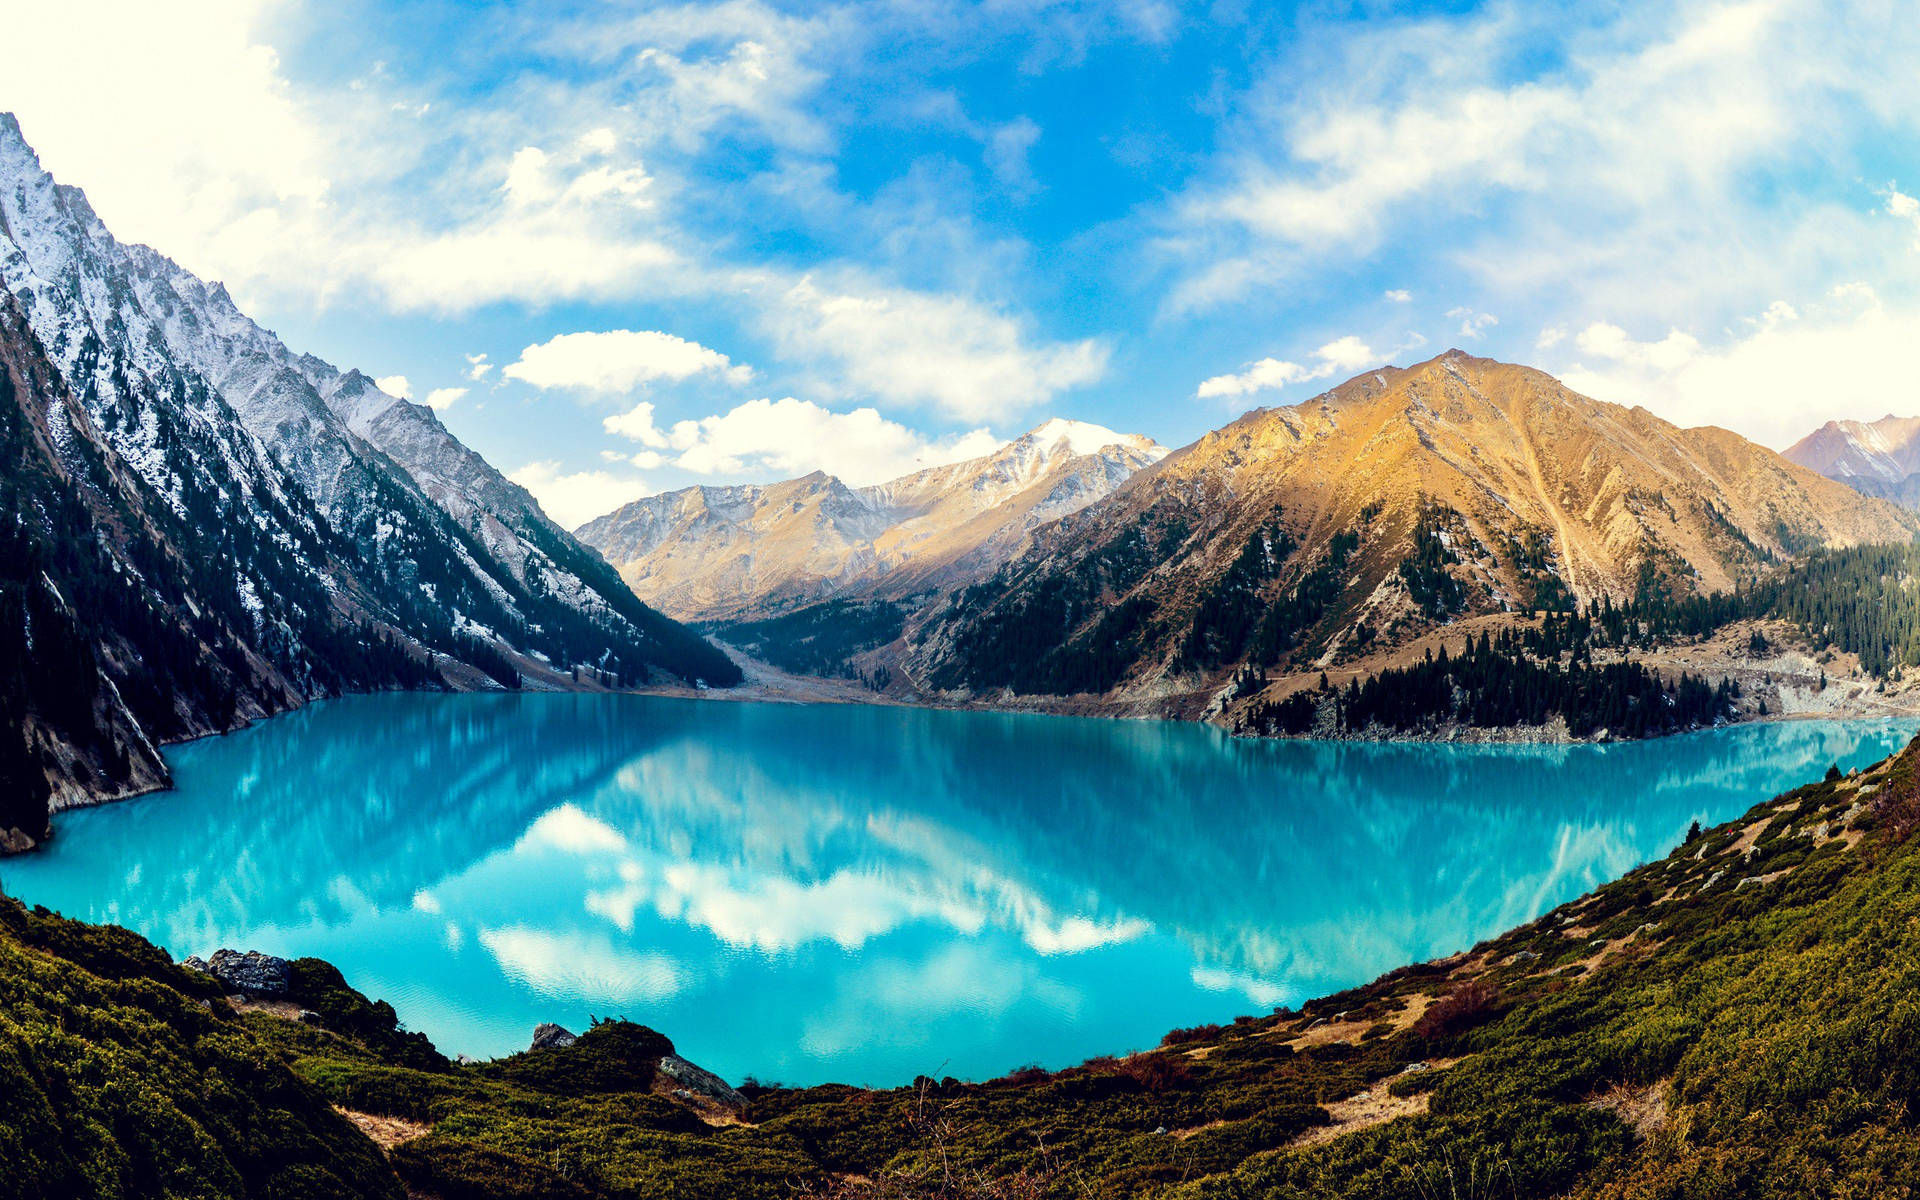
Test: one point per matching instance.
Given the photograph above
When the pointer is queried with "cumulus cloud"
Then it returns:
(477, 367)
(964, 358)
(395, 385)
(637, 424)
(1399, 295)
(794, 437)
(572, 498)
(1342, 354)
(440, 398)
(619, 360)
(1612, 343)
(1551, 178)
(1783, 374)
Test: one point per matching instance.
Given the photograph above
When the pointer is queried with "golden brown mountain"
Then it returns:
(732, 553)
(1401, 500)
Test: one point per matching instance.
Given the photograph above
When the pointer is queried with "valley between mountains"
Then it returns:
(1254, 576)
(204, 527)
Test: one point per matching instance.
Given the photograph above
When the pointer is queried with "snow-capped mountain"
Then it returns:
(1880, 458)
(337, 515)
(722, 553)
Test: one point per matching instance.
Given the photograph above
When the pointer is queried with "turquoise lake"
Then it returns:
(863, 894)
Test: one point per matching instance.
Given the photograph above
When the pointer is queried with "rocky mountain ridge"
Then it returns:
(1400, 501)
(730, 553)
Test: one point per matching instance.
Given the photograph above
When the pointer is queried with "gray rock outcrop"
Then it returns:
(247, 974)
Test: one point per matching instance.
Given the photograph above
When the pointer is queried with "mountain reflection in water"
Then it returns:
(863, 893)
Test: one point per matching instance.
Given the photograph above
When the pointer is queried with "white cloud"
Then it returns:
(1775, 382)
(440, 398)
(574, 498)
(180, 127)
(619, 360)
(1399, 295)
(1905, 208)
(1659, 163)
(794, 437)
(1347, 353)
(1006, 154)
(966, 359)
(477, 367)
(1472, 324)
(1612, 343)
(637, 424)
(395, 385)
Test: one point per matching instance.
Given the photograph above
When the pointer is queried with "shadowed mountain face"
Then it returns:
(208, 528)
(1402, 499)
(731, 553)
(1879, 458)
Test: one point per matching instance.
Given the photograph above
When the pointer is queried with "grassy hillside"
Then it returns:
(1735, 1019)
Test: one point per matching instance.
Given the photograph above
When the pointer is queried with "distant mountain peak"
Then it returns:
(1398, 501)
(1880, 458)
(1084, 437)
(717, 553)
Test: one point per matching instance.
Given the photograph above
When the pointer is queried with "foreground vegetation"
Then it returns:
(1736, 1019)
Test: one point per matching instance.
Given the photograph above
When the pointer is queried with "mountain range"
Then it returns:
(720, 554)
(1400, 502)
(207, 527)
(1402, 499)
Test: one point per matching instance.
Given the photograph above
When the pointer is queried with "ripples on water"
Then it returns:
(864, 894)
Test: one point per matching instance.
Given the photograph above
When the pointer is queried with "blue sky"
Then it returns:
(739, 241)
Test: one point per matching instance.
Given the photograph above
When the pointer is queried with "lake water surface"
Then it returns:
(863, 894)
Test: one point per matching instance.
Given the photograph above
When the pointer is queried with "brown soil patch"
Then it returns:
(385, 1132)
(1372, 1107)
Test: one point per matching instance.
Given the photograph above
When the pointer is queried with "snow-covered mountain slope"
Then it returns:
(203, 527)
(725, 553)
(373, 499)
(1880, 458)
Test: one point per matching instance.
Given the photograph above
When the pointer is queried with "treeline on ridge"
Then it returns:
(1494, 684)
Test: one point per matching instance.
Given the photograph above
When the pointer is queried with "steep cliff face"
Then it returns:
(181, 383)
(207, 527)
(1401, 499)
(123, 622)
(709, 553)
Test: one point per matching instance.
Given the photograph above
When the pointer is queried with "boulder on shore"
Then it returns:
(248, 974)
(701, 1082)
(548, 1036)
